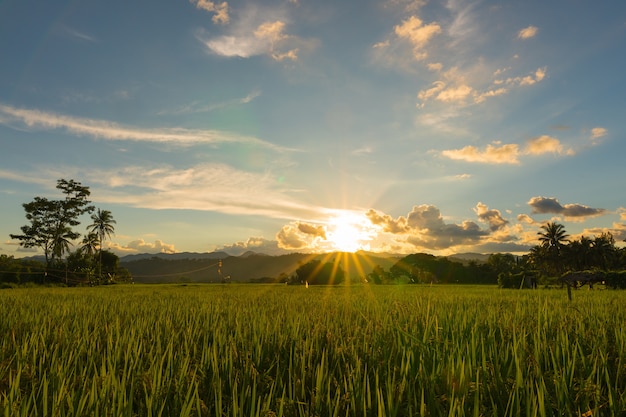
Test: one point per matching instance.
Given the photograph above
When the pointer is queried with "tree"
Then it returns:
(102, 226)
(90, 244)
(603, 252)
(553, 235)
(316, 272)
(52, 221)
(502, 262)
(553, 238)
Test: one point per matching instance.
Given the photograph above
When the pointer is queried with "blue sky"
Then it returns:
(298, 125)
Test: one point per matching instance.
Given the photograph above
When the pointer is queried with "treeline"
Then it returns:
(422, 268)
(77, 268)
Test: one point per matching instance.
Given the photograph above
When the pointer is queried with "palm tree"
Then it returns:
(90, 244)
(553, 235)
(62, 242)
(553, 238)
(102, 226)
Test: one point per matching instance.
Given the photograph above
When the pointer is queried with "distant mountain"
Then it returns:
(174, 256)
(469, 256)
(249, 267)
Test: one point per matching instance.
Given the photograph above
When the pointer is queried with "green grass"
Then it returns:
(254, 350)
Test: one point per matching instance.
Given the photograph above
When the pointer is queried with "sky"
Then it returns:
(399, 126)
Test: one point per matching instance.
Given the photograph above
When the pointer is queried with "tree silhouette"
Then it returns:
(102, 226)
(553, 237)
(90, 244)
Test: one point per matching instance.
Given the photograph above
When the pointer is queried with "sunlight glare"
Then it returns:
(348, 232)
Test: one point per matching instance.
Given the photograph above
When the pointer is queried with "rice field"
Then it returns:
(255, 350)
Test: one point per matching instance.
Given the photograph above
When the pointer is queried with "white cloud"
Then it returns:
(206, 187)
(102, 129)
(527, 33)
(141, 246)
(258, 30)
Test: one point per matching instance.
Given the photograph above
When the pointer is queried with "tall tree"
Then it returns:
(52, 221)
(103, 226)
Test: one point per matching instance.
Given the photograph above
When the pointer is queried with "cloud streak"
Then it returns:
(102, 129)
(508, 153)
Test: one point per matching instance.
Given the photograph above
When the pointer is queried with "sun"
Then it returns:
(347, 233)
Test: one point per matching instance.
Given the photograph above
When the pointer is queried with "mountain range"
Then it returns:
(255, 267)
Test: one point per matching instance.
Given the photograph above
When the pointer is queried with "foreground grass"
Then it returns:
(246, 350)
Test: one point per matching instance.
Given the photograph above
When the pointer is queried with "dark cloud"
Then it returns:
(545, 205)
(448, 235)
(425, 217)
(426, 228)
(311, 229)
(492, 217)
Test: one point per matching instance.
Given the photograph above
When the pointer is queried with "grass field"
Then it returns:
(254, 350)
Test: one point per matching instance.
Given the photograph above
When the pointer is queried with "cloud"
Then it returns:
(453, 88)
(492, 154)
(417, 34)
(258, 30)
(102, 129)
(528, 32)
(455, 94)
(81, 36)
(220, 10)
(546, 144)
(534, 77)
(196, 107)
(492, 217)
(387, 222)
(544, 205)
(141, 246)
(206, 187)
(255, 244)
(425, 228)
(525, 218)
(597, 133)
(311, 229)
(289, 238)
(618, 231)
(408, 5)
(508, 153)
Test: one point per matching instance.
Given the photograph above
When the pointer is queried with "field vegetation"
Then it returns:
(267, 350)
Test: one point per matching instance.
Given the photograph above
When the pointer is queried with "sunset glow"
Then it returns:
(277, 126)
(348, 233)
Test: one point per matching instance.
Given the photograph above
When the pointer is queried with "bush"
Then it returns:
(615, 279)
